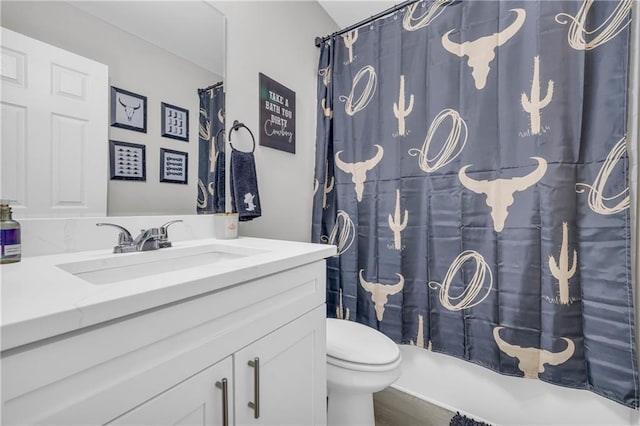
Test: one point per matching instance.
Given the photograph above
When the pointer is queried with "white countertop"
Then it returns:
(41, 300)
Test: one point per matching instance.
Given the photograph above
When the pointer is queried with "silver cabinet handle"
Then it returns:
(222, 384)
(256, 387)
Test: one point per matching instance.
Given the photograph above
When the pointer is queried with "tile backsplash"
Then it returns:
(66, 235)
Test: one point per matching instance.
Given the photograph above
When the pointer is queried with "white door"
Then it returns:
(54, 108)
(291, 378)
(197, 401)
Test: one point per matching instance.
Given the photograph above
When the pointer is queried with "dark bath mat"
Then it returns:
(460, 420)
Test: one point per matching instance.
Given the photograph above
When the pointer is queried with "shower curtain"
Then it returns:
(472, 170)
(211, 141)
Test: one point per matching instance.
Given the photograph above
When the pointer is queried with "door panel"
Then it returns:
(54, 156)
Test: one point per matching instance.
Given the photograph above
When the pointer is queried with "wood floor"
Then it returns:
(395, 408)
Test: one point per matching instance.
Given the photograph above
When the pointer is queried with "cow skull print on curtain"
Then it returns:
(472, 171)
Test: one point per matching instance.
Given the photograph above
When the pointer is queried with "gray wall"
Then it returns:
(139, 67)
(277, 39)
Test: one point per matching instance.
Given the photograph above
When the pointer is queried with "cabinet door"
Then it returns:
(292, 375)
(196, 401)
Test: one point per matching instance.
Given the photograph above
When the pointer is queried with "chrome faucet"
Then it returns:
(148, 239)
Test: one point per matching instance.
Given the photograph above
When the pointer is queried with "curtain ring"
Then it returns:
(217, 142)
(236, 126)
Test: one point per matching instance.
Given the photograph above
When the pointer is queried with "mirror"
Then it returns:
(164, 51)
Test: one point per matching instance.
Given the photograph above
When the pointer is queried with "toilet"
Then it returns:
(360, 361)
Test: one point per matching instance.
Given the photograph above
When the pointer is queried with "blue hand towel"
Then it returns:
(218, 181)
(244, 186)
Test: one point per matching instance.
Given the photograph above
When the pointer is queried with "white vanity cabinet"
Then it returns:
(290, 375)
(195, 401)
(161, 366)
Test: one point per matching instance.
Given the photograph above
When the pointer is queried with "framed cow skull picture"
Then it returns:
(128, 110)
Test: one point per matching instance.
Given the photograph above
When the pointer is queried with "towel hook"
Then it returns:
(236, 126)
(217, 140)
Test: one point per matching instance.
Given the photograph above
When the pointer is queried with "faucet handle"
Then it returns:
(164, 228)
(124, 237)
(164, 233)
(125, 240)
(171, 222)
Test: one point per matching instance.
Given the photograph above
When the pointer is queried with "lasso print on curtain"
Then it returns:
(211, 142)
(472, 170)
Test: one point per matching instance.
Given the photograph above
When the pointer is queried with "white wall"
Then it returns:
(137, 66)
(277, 39)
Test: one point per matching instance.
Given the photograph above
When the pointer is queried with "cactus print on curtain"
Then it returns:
(472, 171)
(211, 142)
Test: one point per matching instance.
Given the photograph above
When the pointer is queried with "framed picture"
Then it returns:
(127, 161)
(175, 122)
(277, 106)
(174, 166)
(128, 110)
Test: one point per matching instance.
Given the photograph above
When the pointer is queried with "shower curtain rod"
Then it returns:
(213, 86)
(320, 40)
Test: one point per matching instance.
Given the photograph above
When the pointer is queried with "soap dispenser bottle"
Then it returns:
(10, 250)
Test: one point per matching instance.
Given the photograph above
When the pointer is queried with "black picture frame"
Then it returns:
(127, 161)
(174, 166)
(125, 110)
(277, 115)
(175, 122)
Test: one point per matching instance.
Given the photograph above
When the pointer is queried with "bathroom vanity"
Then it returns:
(216, 332)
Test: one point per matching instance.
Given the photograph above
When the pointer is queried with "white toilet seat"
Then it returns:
(355, 366)
(351, 342)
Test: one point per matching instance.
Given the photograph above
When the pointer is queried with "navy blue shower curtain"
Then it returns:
(211, 142)
(472, 170)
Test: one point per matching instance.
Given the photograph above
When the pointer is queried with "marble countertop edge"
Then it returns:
(40, 300)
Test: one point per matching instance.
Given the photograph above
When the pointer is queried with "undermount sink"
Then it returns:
(121, 267)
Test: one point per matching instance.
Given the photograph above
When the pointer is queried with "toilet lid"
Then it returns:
(357, 343)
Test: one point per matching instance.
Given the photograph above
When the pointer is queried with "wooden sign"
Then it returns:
(277, 115)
